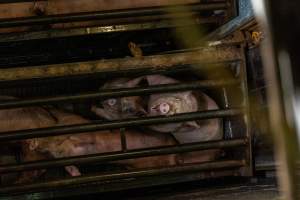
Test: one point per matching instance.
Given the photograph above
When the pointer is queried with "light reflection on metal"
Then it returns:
(90, 30)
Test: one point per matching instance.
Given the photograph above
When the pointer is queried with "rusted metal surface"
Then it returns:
(55, 19)
(107, 26)
(114, 93)
(55, 7)
(205, 55)
(122, 175)
(115, 186)
(42, 10)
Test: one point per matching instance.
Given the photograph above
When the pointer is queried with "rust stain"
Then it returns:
(56, 7)
(205, 55)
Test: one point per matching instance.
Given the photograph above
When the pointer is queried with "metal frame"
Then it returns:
(202, 57)
(128, 123)
(45, 20)
(123, 175)
(116, 21)
(280, 51)
(122, 155)
(167, 62)
(114, 93)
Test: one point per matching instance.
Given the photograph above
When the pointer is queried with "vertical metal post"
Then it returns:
(243, 78)
(280, 20)
(123, 139)
(232, 10)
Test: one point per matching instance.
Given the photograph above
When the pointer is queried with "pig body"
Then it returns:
(107, 141)
(77, 144)
(84, 143)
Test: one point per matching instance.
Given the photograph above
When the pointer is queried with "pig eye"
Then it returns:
(111, 102)
(164, 108)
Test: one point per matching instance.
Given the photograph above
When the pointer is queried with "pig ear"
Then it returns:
(192, 124)
(154, 79)
(135, 82)
(73, 171)
(159, 80)
(189, 126)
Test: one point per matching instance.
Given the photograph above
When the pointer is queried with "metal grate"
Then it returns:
(241, 165)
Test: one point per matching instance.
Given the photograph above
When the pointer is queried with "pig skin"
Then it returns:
(83, 143)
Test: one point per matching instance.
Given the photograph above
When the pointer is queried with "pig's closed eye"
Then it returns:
(112, 102)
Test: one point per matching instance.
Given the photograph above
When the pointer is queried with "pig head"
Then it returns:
(123, 107)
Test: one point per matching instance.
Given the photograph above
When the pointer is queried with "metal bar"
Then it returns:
(113, 93)
(203, 56)
(122, 175)
(100, 187)
(128, 123)
(106, 26)
(281, 69)
(248, 170)
(245, 16)
(123, 139)
(18, 1)
(42, 20)
(108, 157)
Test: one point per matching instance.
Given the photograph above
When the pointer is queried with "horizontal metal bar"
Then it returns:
(115, 186)
(269, 166)
(108, 26)
(122, 175)
(108, 157)
(42, 20)
(204, 55)
(18, 1)
(114, 93)
(128, 123)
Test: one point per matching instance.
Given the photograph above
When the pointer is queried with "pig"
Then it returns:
(170, 104)
(100, 142)
(120, 108)
(167, 104)
(78, 144)
(85, 143)
(186, 132)
(104, 142)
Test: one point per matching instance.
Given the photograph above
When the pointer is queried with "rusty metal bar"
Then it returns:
(204, 55)
(128, 123)
(114, 93)
(122, 175)
(18, 1)
(107, 26)
(42, 20)
(108, 157)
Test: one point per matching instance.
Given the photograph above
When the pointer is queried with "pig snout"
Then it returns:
(131, 107)
(128, 107)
